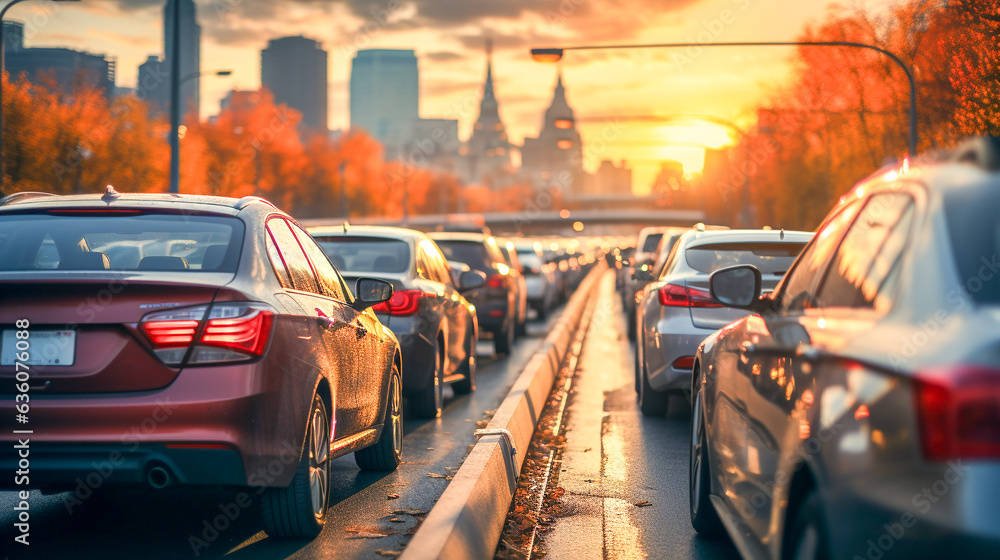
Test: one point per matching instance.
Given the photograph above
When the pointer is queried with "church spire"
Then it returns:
(488, 92)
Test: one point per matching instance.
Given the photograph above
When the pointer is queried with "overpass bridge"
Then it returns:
(536, 222)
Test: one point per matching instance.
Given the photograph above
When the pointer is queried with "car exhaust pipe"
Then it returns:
(159, 478)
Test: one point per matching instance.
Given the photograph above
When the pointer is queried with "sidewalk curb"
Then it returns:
(468, 518)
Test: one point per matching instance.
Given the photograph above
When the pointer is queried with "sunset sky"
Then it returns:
(448, 36)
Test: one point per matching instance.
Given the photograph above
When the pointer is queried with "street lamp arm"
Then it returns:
(554, 54)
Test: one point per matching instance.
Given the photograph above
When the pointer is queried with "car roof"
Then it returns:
(456, 236)
(46, 201)
(695, 237)
(367, 231)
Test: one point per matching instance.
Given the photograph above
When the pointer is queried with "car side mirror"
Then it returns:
(736, 286)
(470, 280)
(371, 291)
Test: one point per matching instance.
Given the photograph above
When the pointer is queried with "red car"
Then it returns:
(154, 340)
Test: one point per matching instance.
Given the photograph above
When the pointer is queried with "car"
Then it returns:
(497, 302)
(539, 275)
(856, 411)
(436, 326)
(675, 312)
(510, 256)
(249, 362)
(646, 268)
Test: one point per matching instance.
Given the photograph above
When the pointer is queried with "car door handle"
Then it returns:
(806, 352)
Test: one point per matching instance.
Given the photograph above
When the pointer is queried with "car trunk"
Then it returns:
(83, 327)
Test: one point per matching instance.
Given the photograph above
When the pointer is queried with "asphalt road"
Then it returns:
(179, 523)
(625, 475)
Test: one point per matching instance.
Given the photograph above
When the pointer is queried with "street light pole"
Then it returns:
(555, 54)
(175, 109)
(3, 72)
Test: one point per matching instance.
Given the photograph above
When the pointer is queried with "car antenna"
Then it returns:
(110, 194)
(347, 226)
(781, 235)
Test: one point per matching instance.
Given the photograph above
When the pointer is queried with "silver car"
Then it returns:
(675, 312)
(539, 275)
(856, 413)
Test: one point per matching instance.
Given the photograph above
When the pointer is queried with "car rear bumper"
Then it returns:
(227, 418)
(674, 338)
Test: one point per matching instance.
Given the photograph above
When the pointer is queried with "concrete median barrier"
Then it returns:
(468, 518)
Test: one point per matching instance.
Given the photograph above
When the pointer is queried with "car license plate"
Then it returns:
(45, 348)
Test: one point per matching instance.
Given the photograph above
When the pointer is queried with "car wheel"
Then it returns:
(387, 452)
(504, 340)
(704, 518)
(298, 511)
(808, 538)
(651, 402)
(632, 327)
(468, 368)
(638, 367)
(427, 402)
(521, 327)
(542, 312)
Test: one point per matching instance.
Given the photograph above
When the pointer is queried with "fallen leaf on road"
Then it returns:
(392, 497)
(413, 512)
(436, 475)
(397, 520)
(392, 553)
(644, 503)
(370, 533)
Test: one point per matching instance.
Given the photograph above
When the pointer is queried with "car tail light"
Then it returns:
(402, 302)
(223, 333)
(496, 280)
(959, 413)
(674, 295)
(684, 362)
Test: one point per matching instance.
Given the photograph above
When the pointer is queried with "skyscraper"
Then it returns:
(487, 152)
(190, 59)
(64, 68)
(152, 85)
(294, 69)
(385, 95)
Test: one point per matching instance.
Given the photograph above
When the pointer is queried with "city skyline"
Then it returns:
(447, 37)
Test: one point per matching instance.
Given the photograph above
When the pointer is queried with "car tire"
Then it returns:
(542, 312)
(638, 368)
(468, 368)
(651, 402)
(521, 327)
(808, 540)
(386, 454)
(504, 340)
(427, 402)
(632, 326)
(704, 518)
(298, 511)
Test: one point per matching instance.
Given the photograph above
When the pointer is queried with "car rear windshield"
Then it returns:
(367, 254)
(974, 229)
(472, 253)
(119, 241)
(769, 258)
(651, 242)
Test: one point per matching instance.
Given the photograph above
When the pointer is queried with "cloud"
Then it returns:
(442, 56)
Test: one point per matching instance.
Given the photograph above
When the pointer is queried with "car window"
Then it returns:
(294, 258)
(123, 241)
(329, 281)
(472, 253)
(773, 258)
(668, 265)
(354, 254)
(856, 255)
(651, 243)
(973, 226)
(279, 266)
(798, 289)
(437, 268)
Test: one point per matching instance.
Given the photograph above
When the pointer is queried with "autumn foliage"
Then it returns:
(80, 142)
(846, 112)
